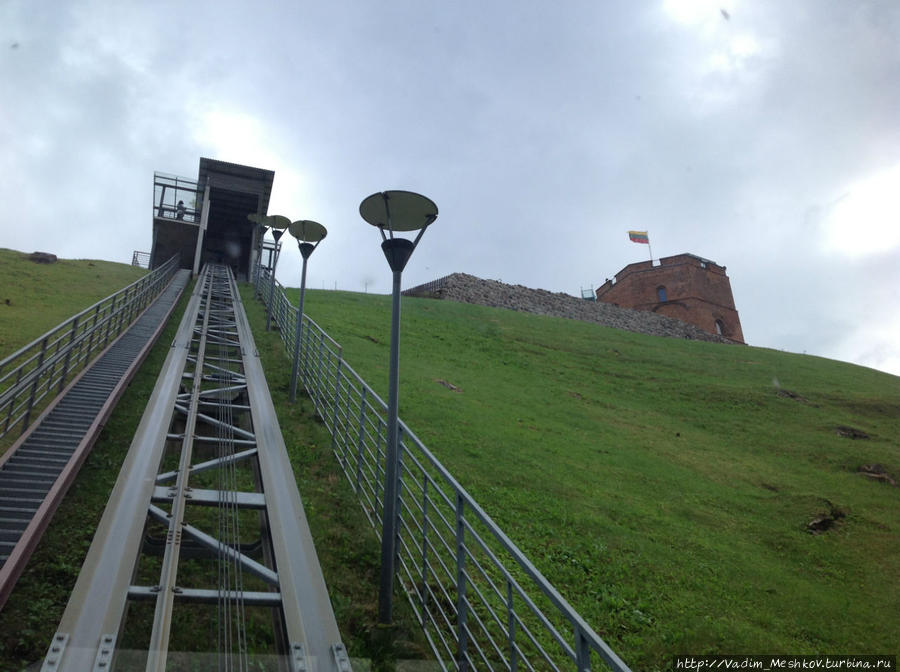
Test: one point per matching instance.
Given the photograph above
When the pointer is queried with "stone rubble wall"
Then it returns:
(466, 288)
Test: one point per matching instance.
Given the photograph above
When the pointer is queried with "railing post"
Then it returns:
(65, 369)
(12, 399)
(319, 400)
(118, 315)
(511, 627)
(271, 277)
(304, 346)
(379, 473)
(424, 589)
(93, 330)
(462, 639)
(37, 378)
(123, 312)
(582, 651)
(336, 405)
(109, 319)
(361, 440)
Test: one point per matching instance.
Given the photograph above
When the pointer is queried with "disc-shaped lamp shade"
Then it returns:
(398, 210)
(278, 221)
(307, 231)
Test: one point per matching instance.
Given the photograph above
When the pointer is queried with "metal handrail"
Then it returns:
(46, 364)
(481, 602)
(428, 287)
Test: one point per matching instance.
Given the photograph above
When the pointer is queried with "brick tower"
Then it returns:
(686, 287)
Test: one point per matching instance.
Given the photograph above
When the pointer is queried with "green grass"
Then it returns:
(34, 298)
(664, 486)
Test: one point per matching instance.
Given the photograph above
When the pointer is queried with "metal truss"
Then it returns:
(204, 537)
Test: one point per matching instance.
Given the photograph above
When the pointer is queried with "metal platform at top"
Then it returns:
(205, 527)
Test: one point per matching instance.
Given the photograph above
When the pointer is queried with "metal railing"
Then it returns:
(176, 197)
(43, 367)
(481, 602)
(427, 288)
(140, 259)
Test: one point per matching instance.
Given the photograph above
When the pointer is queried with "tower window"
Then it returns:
(720, 328)
(661, 294)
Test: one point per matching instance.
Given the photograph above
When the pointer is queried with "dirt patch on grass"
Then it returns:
(825, 521)
(449, 386)
(788, 394)
(877, 472)
(850, 432)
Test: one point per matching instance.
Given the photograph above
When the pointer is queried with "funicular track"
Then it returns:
(204, 543)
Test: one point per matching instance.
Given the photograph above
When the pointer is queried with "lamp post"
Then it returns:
(394, 211)
(278, 224)
(308, 234)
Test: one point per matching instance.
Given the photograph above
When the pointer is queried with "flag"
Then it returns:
(639, 237)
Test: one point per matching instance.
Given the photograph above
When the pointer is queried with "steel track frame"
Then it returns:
(212, 392)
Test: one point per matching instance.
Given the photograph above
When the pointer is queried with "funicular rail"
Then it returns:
(204, 536)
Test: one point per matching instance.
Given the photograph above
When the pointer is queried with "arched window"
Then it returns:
(720, 328)
(661, 294)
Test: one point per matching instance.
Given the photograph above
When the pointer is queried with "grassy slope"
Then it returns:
(672, 507)
(34, 298)
(664, 486)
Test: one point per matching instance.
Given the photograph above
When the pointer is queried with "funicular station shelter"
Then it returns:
(205, 220)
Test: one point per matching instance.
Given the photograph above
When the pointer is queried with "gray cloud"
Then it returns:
(542, 132)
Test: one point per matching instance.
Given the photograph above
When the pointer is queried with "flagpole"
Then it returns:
(650, 248)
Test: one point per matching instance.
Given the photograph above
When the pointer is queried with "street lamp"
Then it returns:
(394, 211)
(278, 223)
(308, 234)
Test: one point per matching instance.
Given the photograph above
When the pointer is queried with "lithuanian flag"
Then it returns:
(639, 237)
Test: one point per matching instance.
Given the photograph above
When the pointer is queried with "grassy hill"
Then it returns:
(665, 486)
(34, 298)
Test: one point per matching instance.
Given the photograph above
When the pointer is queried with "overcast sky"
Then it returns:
(762, 135)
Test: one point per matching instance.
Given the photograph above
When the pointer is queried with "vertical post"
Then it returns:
(379, 464)
(424, 588)
(271, 290)
(109, 318)
(462, 636)
(204, 218)
(511, 627)
(93, 331)
(389, 517)
(299, 330)
(319, 397)
(336, 406)
(68, 357)
(582, 651)
(34, 385)
(361, 440)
